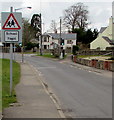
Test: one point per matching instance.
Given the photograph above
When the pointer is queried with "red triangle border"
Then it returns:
(11, 14)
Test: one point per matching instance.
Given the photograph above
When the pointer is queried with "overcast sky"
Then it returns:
(99, 10)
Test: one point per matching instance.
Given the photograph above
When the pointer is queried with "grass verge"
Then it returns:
(6, 98)
(50, 56)
(47, 56)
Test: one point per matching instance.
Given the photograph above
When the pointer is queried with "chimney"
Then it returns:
(113, 9)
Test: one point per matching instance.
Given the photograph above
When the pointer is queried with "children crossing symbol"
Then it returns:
(11, 23)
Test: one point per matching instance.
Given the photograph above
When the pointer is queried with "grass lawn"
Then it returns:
(48, 55)
(6, 98)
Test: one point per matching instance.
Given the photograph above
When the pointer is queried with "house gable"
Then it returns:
(100, 42)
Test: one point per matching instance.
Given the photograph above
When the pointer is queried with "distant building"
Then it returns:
(104, 38)
(49, 39)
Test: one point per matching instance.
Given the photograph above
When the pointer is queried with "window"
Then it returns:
(45, 46)
(48, 38)
(45, 39)
(69, 41)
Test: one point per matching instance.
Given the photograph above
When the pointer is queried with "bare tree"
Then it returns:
(76, 16)
(53, 26)
(28, 31)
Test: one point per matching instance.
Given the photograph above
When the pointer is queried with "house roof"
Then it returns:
(66, 36)
(102, 29)
(111, 42)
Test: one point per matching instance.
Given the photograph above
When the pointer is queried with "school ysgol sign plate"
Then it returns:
(11, 25)
(11, 36)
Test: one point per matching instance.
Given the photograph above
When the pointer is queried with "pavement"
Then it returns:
(33, 100)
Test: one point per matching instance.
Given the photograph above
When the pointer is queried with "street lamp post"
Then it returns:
(60, 50)
(22, 8)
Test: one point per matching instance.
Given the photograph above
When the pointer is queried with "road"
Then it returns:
(81, 93)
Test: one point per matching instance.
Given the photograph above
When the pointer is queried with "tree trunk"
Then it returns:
(72, 27)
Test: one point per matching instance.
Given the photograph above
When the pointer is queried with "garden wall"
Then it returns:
(99, 64)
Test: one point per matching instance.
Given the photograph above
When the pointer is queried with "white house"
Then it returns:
(54, 38)
(104, 38)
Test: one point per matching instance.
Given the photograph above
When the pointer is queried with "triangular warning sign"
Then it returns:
(11, 23)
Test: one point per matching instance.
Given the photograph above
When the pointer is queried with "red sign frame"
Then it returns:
(11, 15)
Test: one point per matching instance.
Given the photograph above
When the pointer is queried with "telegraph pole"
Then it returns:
(60, 40)
(60, 52)
(41, 35)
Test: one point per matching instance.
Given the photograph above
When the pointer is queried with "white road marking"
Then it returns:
(46, 67)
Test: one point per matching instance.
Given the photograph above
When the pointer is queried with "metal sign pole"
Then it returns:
(11, 67)
(11, 63)
(22, 54)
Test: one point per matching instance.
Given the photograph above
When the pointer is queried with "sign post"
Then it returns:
(11, 62)
(11, 67)
(11, 33)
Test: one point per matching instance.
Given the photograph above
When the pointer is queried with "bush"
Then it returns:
(75, 49)
(30, 45)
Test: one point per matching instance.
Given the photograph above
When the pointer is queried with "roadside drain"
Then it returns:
(67, 110)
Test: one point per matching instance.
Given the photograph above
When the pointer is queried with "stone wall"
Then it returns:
(99, 64)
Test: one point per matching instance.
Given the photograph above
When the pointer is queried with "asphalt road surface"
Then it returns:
(81, 93)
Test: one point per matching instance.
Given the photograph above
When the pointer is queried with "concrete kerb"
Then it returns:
(49, 92)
